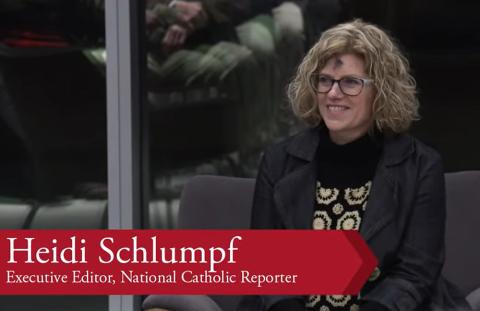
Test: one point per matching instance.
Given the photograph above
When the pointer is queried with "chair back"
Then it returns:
(462, 263)
(217, 202)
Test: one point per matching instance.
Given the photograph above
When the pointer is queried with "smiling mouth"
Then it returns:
(337, 108)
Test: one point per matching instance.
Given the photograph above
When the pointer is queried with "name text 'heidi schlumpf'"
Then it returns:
(76, 252)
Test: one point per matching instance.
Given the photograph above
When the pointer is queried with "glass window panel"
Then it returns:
(216, 74)
(53, 125)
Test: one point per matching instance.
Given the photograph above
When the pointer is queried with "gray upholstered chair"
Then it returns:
(216, 202)
(224, 203)
(209, 202)
(462, 264)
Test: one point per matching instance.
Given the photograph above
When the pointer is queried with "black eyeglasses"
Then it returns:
(351, 86)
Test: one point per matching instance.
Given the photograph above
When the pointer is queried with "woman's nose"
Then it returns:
(335, 91)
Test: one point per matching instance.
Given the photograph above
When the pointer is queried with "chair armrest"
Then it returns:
(474, 299)
(180, 303)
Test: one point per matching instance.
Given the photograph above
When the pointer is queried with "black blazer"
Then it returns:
(404, 221)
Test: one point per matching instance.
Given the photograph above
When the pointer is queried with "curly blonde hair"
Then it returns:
(395, 105)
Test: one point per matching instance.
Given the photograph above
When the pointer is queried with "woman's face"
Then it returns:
(347, 117)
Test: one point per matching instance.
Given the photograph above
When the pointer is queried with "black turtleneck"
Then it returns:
(347, 165)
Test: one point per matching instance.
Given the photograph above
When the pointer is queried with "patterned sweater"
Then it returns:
(345, 174)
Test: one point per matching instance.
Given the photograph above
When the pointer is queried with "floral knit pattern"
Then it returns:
(338, 209)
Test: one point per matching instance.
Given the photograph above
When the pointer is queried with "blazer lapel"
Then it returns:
(294, 195)
(382, 203)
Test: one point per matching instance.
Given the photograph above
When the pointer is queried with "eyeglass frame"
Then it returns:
(365, 81)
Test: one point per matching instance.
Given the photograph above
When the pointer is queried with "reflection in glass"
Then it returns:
(52, 125)
(216, 77)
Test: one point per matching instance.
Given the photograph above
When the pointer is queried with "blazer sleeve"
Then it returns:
(265, 216)
(410, 282)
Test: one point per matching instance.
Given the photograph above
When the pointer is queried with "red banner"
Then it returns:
(105, 262)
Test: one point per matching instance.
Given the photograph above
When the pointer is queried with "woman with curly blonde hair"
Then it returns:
(395, 104)
(356, 168)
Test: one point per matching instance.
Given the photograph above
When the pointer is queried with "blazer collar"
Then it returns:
(396, 148)
(304, 145)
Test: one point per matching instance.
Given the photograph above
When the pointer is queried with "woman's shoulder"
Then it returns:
(425, 150)
(303, 144)
(401, 146)
(289, 153)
